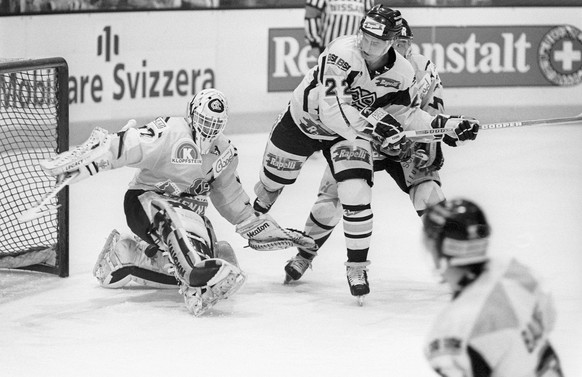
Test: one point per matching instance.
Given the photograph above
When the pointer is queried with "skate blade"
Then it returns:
(288, 279)
(360, 300)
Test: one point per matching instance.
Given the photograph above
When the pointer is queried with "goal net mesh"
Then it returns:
(33, 127)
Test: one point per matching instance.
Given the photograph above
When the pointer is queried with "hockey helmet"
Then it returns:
(382, 22)
(208, 115)
(457, 231)
(403, 43)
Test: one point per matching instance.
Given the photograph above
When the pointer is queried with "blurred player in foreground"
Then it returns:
(181, 162)
(500, 317)
(359, 93)
(416, 174)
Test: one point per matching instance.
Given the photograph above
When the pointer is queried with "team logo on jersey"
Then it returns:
(223, 160)
(334, 59)
(560, 55)
(186, 152)
(362, 98)
(387, 82)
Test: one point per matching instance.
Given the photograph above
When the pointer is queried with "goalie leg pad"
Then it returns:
(122, 261)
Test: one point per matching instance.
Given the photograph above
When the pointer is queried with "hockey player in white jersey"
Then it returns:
(181, 163)
(415, 171)
(500, 317)
(360, 91)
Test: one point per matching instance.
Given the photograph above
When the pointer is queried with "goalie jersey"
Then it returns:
(497, 326)
(328, 101)
(167, 153)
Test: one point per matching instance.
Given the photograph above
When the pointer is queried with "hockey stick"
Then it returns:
(435, 135)
(37, 210)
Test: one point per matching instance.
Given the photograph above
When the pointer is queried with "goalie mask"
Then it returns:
(208, 115)
(457, 232)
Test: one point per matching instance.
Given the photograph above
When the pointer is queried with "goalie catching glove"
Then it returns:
(263, 233)
(465, 128)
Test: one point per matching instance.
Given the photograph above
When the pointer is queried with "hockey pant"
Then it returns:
(423, 187)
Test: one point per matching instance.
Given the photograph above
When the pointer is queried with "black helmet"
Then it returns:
(381, 22)
(460, 231)
(406, 32)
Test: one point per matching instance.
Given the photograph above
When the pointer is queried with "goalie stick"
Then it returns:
(435, 135)
(43, 206)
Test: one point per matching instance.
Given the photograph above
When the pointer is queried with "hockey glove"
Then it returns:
(427, 157)
(263, 233)
(465, 129)
(386, 132)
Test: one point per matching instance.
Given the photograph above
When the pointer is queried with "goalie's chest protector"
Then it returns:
(172, 160)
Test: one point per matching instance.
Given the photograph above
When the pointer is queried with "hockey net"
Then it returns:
(33, 127)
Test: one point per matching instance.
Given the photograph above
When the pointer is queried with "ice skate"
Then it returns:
(295, 268)
(356, 273)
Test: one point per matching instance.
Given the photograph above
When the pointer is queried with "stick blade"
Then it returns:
(36, 213)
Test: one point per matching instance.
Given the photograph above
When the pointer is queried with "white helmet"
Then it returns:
(207, 115)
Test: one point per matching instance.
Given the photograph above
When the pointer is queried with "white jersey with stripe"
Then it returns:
(168, 157)
(428, 84)
(497, 326)
(327, 103)
(330, 19)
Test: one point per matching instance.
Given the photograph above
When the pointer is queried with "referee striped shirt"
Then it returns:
(325, 20)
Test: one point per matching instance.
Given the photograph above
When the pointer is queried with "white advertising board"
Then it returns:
(145, 64)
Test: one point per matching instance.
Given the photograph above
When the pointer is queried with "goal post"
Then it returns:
(34, 125)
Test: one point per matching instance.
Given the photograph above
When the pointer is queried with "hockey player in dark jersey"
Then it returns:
(501, 316)
(360, 92)
(416, 175)
(181, 162)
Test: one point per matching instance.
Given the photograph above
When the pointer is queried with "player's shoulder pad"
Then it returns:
(423, 64)
(342, 54)
(404, 69)
(419, 60)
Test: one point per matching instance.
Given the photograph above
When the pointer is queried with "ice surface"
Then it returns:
(527, 180)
